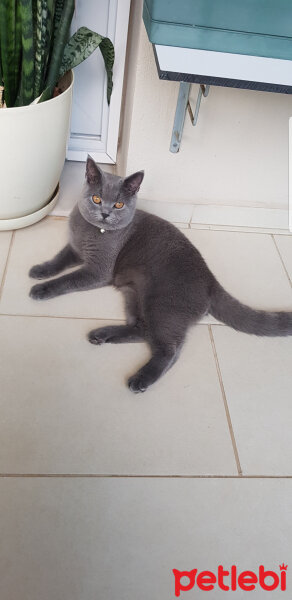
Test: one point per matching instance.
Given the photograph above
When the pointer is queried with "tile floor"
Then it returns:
(103, 493)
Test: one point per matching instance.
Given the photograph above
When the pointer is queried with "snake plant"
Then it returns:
(35, 49)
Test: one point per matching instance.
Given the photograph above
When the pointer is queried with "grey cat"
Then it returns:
(166, 284)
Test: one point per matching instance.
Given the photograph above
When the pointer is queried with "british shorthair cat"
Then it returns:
(166, 283)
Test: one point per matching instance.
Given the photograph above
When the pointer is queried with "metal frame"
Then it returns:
(183, 104)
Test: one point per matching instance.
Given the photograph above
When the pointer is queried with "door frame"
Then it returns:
(104, 150)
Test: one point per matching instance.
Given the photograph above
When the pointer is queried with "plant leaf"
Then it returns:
(59, 5)
(44, 29)
(7, 50)
(27, 75)
(108, 53)
(81, 45)
(17, 48)
(58, 49)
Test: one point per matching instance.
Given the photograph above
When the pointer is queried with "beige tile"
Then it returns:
(35, 245)
(284, 244)
(247, 265)
(65, 407)
(257, 377)
(116, 538)
(5, 238)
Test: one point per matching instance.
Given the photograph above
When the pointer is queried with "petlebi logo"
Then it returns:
(230, 580)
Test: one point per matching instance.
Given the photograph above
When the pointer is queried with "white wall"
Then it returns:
(236, 155)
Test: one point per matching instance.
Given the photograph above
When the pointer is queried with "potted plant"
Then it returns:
(36, 62)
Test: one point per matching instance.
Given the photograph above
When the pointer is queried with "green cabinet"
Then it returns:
(254, 27)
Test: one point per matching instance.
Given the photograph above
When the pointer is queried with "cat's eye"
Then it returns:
(119, 204)
(96, 199)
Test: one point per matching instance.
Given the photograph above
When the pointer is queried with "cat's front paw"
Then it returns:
(137, 383)
(41, 291)
(40, 271)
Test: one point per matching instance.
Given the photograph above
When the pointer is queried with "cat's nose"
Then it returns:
(105, 215)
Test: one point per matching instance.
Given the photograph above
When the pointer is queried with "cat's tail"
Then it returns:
(230, 311)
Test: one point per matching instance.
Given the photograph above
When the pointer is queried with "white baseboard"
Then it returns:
(271, 220)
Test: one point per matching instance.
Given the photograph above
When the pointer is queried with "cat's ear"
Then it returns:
(133, 182)
(93, 172)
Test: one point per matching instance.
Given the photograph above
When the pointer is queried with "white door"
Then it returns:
(94, 124)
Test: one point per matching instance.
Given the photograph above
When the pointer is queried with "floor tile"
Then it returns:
(65, 407)
(35, 245)
(247, 265)
(120, 538)
(284, 244)
(257, 377)
(5, 238)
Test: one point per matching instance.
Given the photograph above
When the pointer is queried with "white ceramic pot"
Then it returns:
(32, 153)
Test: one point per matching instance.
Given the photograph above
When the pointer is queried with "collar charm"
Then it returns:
(102, 230)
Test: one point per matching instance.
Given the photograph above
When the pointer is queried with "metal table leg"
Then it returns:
(182, 105)
(180, 113)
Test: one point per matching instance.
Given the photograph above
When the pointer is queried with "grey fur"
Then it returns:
(166, 283)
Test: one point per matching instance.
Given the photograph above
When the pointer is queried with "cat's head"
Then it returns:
(108, 201)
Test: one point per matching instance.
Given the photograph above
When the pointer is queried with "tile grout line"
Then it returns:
(112, 319)
(2, 283)
(134, 476)
(62, 317)
(281, 259)
(239, 469)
